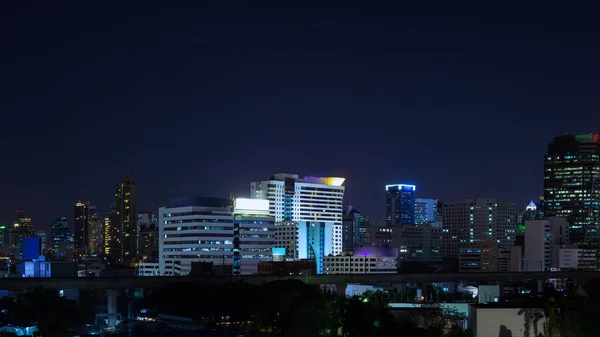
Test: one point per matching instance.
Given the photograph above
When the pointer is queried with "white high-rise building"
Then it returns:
(543, 241)
(308, 214)
(192, 230)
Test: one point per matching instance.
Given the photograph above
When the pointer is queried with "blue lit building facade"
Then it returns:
(425, 210)
(400, 204)
(316, 242)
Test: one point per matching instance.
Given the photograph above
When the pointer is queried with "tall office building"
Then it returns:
(572, 186)
(253, 235)
(95, 231)
(81, 227)
(192, 230)
(125, 227)
(425, 210)
(477, 220)
(400, 204)
(309, 209)
(148, 236)
(62, 241)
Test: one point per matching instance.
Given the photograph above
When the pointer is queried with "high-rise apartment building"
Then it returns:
(193, 230)
(148, 236)
(253, 235)
(571, 184)
(400, 204)
(96, 231)
(425, 210)
(477, 220)
(81, 227)
(310, 212)
(62, 241)
(124, 238)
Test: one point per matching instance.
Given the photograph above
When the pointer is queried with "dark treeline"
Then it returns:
(292, 308)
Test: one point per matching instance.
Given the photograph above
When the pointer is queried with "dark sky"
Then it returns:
(201, 99)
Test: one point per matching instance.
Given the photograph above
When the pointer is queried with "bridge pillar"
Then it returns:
(540, 286)
(111, 306)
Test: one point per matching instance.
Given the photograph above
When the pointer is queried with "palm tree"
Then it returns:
(531, 316)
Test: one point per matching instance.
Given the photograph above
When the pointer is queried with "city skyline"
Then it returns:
(442, 98)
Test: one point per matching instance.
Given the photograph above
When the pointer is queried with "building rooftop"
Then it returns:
(200, 202)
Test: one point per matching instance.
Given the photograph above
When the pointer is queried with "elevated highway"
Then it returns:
(161, 281)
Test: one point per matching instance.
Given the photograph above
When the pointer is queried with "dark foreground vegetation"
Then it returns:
(292, 308)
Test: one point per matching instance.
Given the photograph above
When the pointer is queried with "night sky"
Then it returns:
(205, 98)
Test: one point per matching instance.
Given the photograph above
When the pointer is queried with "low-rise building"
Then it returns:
(148, 269)
(295, 267)
(366, 260)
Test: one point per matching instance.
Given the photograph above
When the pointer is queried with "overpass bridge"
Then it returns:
(161, 281)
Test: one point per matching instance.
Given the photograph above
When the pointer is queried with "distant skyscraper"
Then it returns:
(125, 230)
(22, 229)
(43, 239)
(308, 211)
(425, 210)
(352, 225)
(109, 227)
(477, 220)
(96, 231)
(148, 245)
(400, 204)
(62, 243)
(81, 227)
(571, 184)
(24, 225)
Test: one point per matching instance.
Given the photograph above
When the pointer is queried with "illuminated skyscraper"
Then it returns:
(81, 227)
(571, 184)
(125, 227)
(308, 214)
(400, 204)
(96, 231)
(24, 225)
(109, 224)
